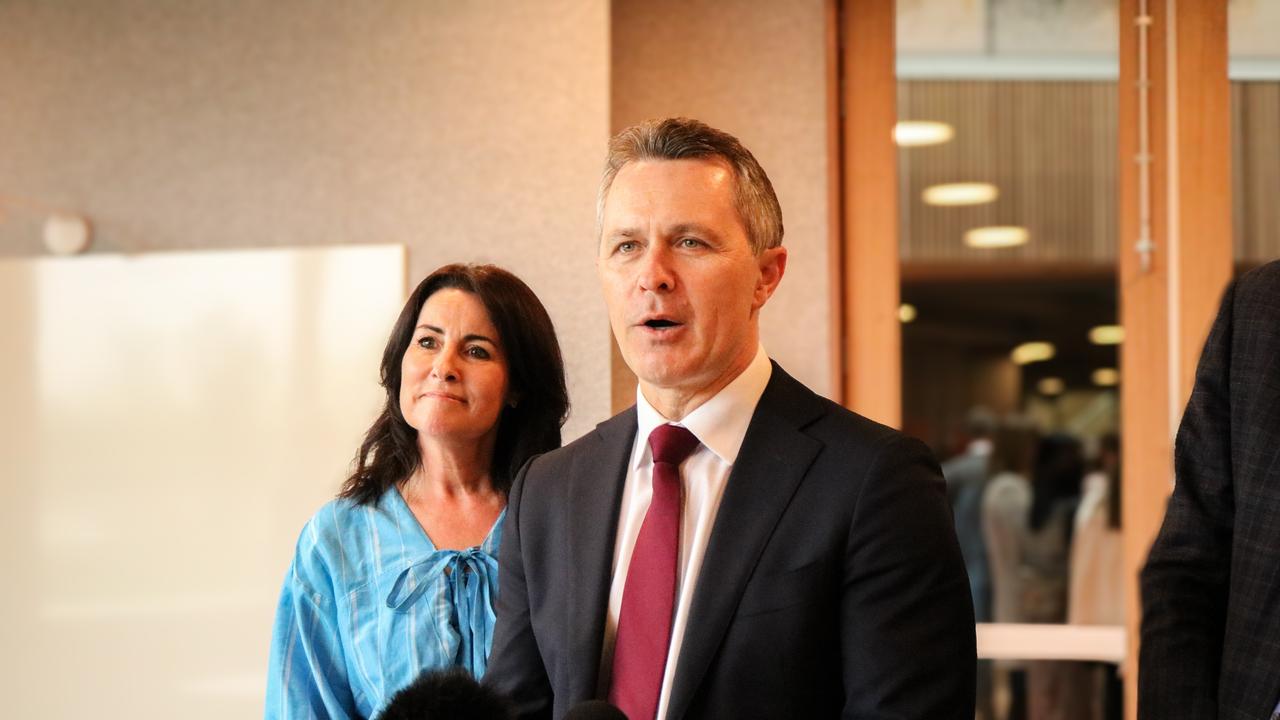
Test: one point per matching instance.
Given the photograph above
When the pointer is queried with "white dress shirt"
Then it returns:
(720, 424)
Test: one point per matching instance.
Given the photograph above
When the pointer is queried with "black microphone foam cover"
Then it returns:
(448, 693)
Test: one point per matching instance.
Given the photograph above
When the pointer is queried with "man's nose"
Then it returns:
(656, 273)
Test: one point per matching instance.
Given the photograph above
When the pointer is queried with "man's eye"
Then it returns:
(627, 247)
(690, 242)
(478, 352)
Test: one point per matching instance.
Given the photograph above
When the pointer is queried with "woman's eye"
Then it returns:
(478, 352)
(427, 342)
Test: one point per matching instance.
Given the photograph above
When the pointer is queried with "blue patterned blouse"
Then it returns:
(368, 604)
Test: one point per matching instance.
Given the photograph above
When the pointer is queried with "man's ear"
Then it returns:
(772, 263)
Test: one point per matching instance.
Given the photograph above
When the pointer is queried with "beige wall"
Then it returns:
(755, 68)
(465, 131)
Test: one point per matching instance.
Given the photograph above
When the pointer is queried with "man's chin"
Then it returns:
(665, 375)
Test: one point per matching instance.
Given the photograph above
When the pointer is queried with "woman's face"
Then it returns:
(453, 376)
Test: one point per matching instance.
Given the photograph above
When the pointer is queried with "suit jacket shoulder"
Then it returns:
(833, 560)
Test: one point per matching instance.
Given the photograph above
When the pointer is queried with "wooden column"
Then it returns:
(1167, 302)
(872, 343)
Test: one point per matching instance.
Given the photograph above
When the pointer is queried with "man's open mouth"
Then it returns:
(659, 323)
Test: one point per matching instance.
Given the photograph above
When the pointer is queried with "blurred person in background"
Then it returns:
(1055, 494)
(1095, 589)
(1006, 503)
(399, 574)
(1053, 687)
(966, 475)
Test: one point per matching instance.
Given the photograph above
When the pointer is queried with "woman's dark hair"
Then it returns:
(1055, 477)
(1109, 463)
(389, 453)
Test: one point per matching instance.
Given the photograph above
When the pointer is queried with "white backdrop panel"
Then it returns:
(167, 423)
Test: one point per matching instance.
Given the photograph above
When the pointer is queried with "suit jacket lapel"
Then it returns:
(595, 494)
(774, 458)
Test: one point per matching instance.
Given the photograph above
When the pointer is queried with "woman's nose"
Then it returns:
(445, 366)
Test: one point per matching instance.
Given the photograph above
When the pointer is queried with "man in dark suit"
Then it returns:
(1211, 587)
(734, 545)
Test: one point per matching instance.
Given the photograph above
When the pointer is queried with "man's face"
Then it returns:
(683, 288)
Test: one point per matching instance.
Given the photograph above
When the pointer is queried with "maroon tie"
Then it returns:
(649, 597)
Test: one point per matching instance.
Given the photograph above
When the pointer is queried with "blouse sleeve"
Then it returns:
(307, 675)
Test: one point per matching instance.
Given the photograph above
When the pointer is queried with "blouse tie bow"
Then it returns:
(470, 586)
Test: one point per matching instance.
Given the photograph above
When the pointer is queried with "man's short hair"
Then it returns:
(687, 139)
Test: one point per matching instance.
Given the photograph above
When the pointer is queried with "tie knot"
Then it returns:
(671, 444)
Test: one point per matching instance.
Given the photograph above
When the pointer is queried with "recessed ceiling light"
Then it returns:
(996, 236)
(1106, 335)
(906, 312)
(1106, 377)
(1051, 386)
(974, 193)
(914, 133)
(1030, 352)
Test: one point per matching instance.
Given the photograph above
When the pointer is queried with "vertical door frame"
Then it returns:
(1175, 192)
(865, 250)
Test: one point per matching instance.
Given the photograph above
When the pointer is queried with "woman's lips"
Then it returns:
(442, 396)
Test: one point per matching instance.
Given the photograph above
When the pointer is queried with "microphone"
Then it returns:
(595, 710)
(449, 693)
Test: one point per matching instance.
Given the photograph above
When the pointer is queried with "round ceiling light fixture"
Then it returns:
(996, 236)
(918, 133)
(966, 193)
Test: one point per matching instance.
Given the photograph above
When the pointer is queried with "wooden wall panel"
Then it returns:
(1048, 146)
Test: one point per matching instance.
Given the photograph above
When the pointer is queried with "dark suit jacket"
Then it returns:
(832, 583)
(1211, 586)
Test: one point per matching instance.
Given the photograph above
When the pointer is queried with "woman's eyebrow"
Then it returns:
(466, 338)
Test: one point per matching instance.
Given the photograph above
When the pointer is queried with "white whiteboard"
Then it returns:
(167, 424)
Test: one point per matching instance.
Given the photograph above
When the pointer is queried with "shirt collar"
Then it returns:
(720, 423)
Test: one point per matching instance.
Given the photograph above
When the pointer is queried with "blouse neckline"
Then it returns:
(400, 506)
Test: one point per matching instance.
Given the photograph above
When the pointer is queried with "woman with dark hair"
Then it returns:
(399, 574)
(1054, 688)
